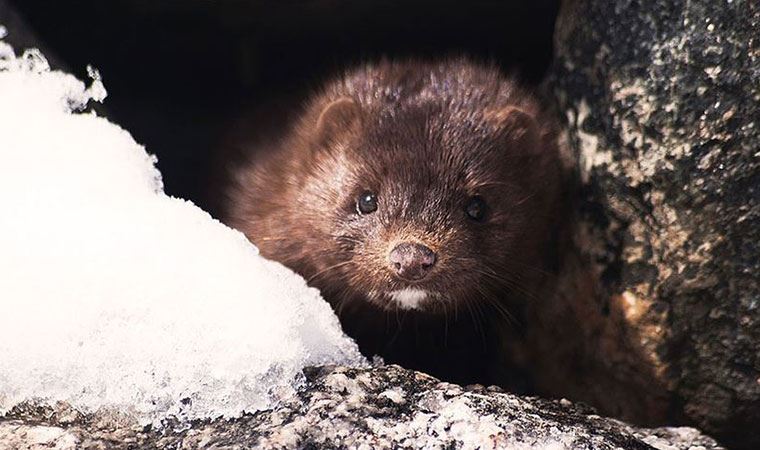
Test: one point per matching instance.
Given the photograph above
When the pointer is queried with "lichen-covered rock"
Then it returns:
(662, 99)
(381, 407)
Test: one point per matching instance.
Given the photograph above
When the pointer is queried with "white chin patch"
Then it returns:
(408, 298)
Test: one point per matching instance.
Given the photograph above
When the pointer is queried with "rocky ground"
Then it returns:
(338, 407)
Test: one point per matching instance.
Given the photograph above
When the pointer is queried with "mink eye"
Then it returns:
(366, 203)
(476, 208)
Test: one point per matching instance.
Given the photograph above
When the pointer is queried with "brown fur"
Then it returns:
(425, 137)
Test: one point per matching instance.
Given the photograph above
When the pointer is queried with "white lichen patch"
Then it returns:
(19, 436)
(591, 155)
(396, 395)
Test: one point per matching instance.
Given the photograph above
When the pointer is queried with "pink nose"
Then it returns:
(411, 261)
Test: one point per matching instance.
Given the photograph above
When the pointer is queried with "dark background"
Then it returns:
(177, 72)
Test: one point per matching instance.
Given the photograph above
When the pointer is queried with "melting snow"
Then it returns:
(114, 295)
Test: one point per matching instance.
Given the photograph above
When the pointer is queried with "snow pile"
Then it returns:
(114, 295)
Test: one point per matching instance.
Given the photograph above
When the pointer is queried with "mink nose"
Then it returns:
(411, 261)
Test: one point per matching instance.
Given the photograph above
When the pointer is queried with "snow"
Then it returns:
(115, 296)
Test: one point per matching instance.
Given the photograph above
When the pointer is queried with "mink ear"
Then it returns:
(338, 118)
(514, 123)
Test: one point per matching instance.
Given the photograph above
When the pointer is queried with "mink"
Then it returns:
(421, 199)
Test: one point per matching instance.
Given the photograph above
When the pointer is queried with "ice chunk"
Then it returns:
(114, 295)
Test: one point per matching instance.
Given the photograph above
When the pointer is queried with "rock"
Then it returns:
(661, 103)
(380, 407)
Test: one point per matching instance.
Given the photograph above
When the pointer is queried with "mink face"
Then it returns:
(425, 187)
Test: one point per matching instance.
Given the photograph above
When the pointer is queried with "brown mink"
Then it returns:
(421, 199)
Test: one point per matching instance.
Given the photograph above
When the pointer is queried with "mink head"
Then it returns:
(413, 187)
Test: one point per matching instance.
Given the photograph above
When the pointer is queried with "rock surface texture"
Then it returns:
(382, 407)
(662, 101)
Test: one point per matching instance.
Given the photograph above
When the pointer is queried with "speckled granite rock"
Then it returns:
(662, 99)
(382, 407)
